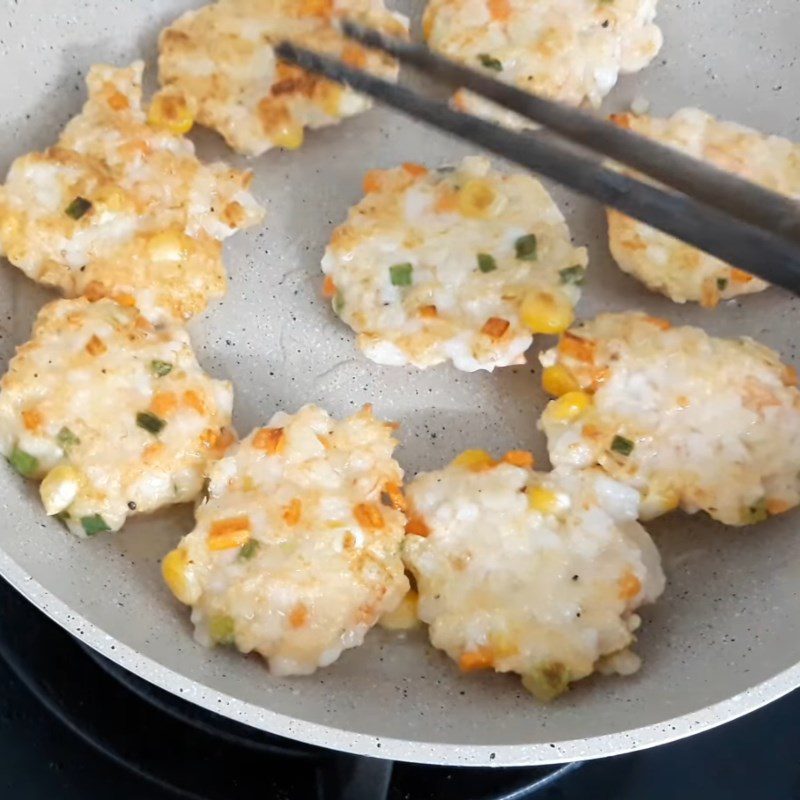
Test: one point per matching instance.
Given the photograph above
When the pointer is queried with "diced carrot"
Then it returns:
(354, 56)
(575, 347)
(117, 101)
(777, 506)
(629, 586)
(225, 439)
(299, 616)
(789, 376)
(328, 287)
(369, 516)
(192, 400)
(659, 322)
(152, 452)
(227, 533)
(95, 346)
(709, 294)
(416, 526)
(125, 300)
(163, 403)
(599, 376)
(459, 100)
(143, 324)
(209, 437)
(293, 512)
(740, 276)
(446, 202)
(373, 181)
(315, 8)
(94, 291)
(417, 170)
(32, 419)
(234, 214)
(500, 10)
(622, 120)
(495, 327)
(396, 496)
(482, 658)
(272, 440)
(519, 458)
(428, 312)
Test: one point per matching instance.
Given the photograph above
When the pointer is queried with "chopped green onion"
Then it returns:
(722, 284)
(221, 629)
(338, 302)
(94, 524)
(23, 462)
(574, 275)
(150, 422)
(490, 62)
(525, 247)
(160, 368)
(66, 439)
(621, 445)
(401, 274)
(248, 549)
(78, 207)
(486, 263)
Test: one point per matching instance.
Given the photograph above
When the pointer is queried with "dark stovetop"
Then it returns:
(75, 727)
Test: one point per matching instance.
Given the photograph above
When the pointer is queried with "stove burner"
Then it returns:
(192, 753)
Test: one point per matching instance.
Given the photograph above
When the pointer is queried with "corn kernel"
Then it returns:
(168, 246)
(289, 136)
(477, 199)
(543, 312)
(59, 488)
(404, 617)
(558, 380)
(176, 576)
(171, 111)
(475, 460)
(569, 406)
(545, 501)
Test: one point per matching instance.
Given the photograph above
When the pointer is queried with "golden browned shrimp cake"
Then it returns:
(122, 207)
(534, 573)
(462, 264)
(115, 415)
(669, 266)
(296, 552)
(221, 60)
(568, 50)
(687, 419)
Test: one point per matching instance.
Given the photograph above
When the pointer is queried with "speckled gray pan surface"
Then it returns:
(726, 636)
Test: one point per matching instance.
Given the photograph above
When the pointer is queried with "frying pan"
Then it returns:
(724, 639)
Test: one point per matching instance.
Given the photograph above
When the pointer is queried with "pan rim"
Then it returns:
(385, 747)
